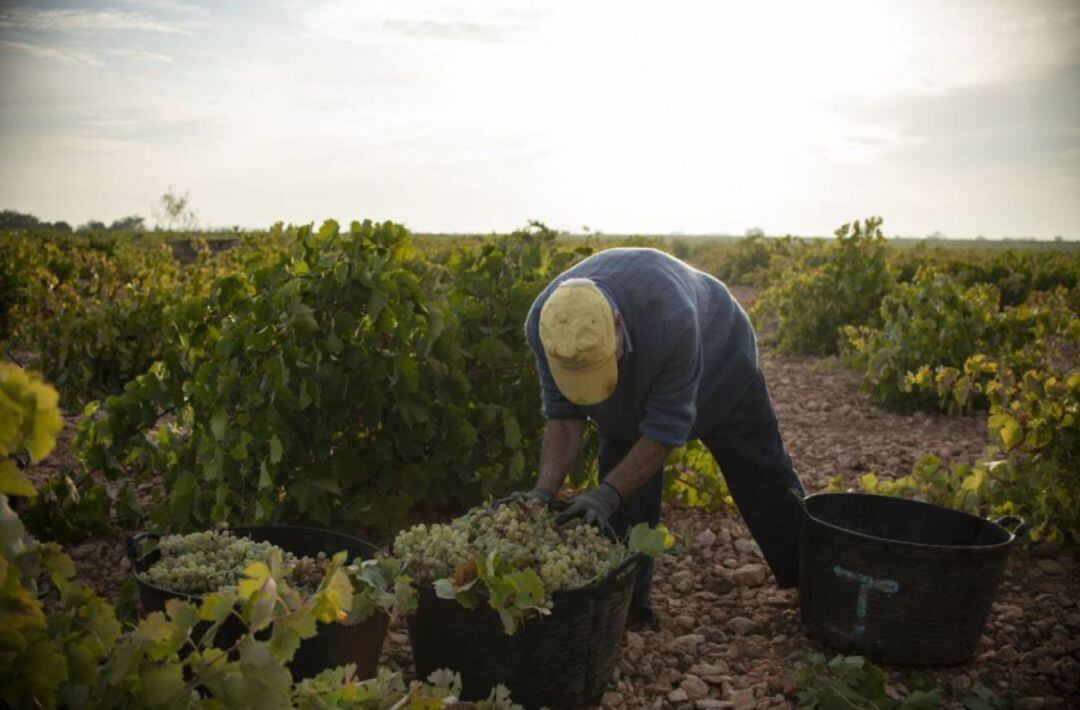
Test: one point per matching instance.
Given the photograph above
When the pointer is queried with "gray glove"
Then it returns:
(546, 497)
(595, 507)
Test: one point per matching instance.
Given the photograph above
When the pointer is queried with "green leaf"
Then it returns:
(255, 576)
(1010, 432)
(14, 482)
(444, 589)
(266, 680)
(219, 423)
(42, 668)
(184, 614)
(217, 606)
(275, 449)
(649, 541)
(163, 684)
(157, 636)
(511, 432)
(921, 700)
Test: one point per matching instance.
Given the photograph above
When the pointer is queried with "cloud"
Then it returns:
(173, 6)
(137, 55)
(52, 54)
(81, 21)
(1021, 124)
(435, 19)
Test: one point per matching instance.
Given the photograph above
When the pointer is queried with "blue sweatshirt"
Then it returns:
(693, 352)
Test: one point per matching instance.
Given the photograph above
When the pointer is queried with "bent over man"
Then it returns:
(657, 353)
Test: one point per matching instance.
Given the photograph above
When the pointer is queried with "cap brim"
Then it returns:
(586, 386)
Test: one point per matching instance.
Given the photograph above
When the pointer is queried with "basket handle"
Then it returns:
(1020, 525)
(133, 543)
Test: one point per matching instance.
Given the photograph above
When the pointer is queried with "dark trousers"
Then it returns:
(758, 471)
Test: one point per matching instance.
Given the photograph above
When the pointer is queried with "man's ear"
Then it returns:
(618, 319)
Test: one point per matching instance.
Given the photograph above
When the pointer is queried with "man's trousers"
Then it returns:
(758, 471)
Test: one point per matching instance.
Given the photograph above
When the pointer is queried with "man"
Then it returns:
(657, 353)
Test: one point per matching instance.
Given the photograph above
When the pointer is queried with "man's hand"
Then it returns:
(540, 494)
(595, 507)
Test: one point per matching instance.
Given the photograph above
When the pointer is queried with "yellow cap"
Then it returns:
(577, 330)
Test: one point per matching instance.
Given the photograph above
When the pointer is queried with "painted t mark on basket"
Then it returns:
(866, 585)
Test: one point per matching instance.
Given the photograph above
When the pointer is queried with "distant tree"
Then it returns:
(936, 235)
(755, 232)
(93, 226)
(1059, 238)
(131, 223)
(174, 212)
(10, 219)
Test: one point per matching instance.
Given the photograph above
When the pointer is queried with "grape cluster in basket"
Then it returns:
(522, 534)
(210, 561)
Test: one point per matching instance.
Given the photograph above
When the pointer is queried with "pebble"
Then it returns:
(740, 625)
(750, 575)
(743, 699)
(1010, 613)
(709, 671)
(706, 538)
(695, 687)
(611, 699)
(960, 684)
(747, 546)
(720, 583)
(1050, 566)
(688, 643)
(678, 696)
(683, 581)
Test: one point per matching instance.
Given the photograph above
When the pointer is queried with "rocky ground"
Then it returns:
(730, 638)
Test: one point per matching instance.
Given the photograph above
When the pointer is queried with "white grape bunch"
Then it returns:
(522, 534)
(215, 560)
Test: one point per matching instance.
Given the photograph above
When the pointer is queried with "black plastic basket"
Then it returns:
(561, 660)
(898, 580)
(334, 645)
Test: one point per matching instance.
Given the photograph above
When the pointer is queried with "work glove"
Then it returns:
(595, 507)
(545, 497)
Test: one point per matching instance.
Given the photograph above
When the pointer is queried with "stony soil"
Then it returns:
(730, 638)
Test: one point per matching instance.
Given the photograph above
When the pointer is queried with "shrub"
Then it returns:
(824, 289)
(936, 322)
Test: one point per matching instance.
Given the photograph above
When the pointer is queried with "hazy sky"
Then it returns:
(469, 115)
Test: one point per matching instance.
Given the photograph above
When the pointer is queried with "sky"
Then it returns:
(713, 117)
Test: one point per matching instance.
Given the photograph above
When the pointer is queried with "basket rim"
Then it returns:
(1010, 539)
(198, 598)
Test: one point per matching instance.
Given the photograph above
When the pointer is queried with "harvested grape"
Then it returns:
(522, 534)
(214, 560)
